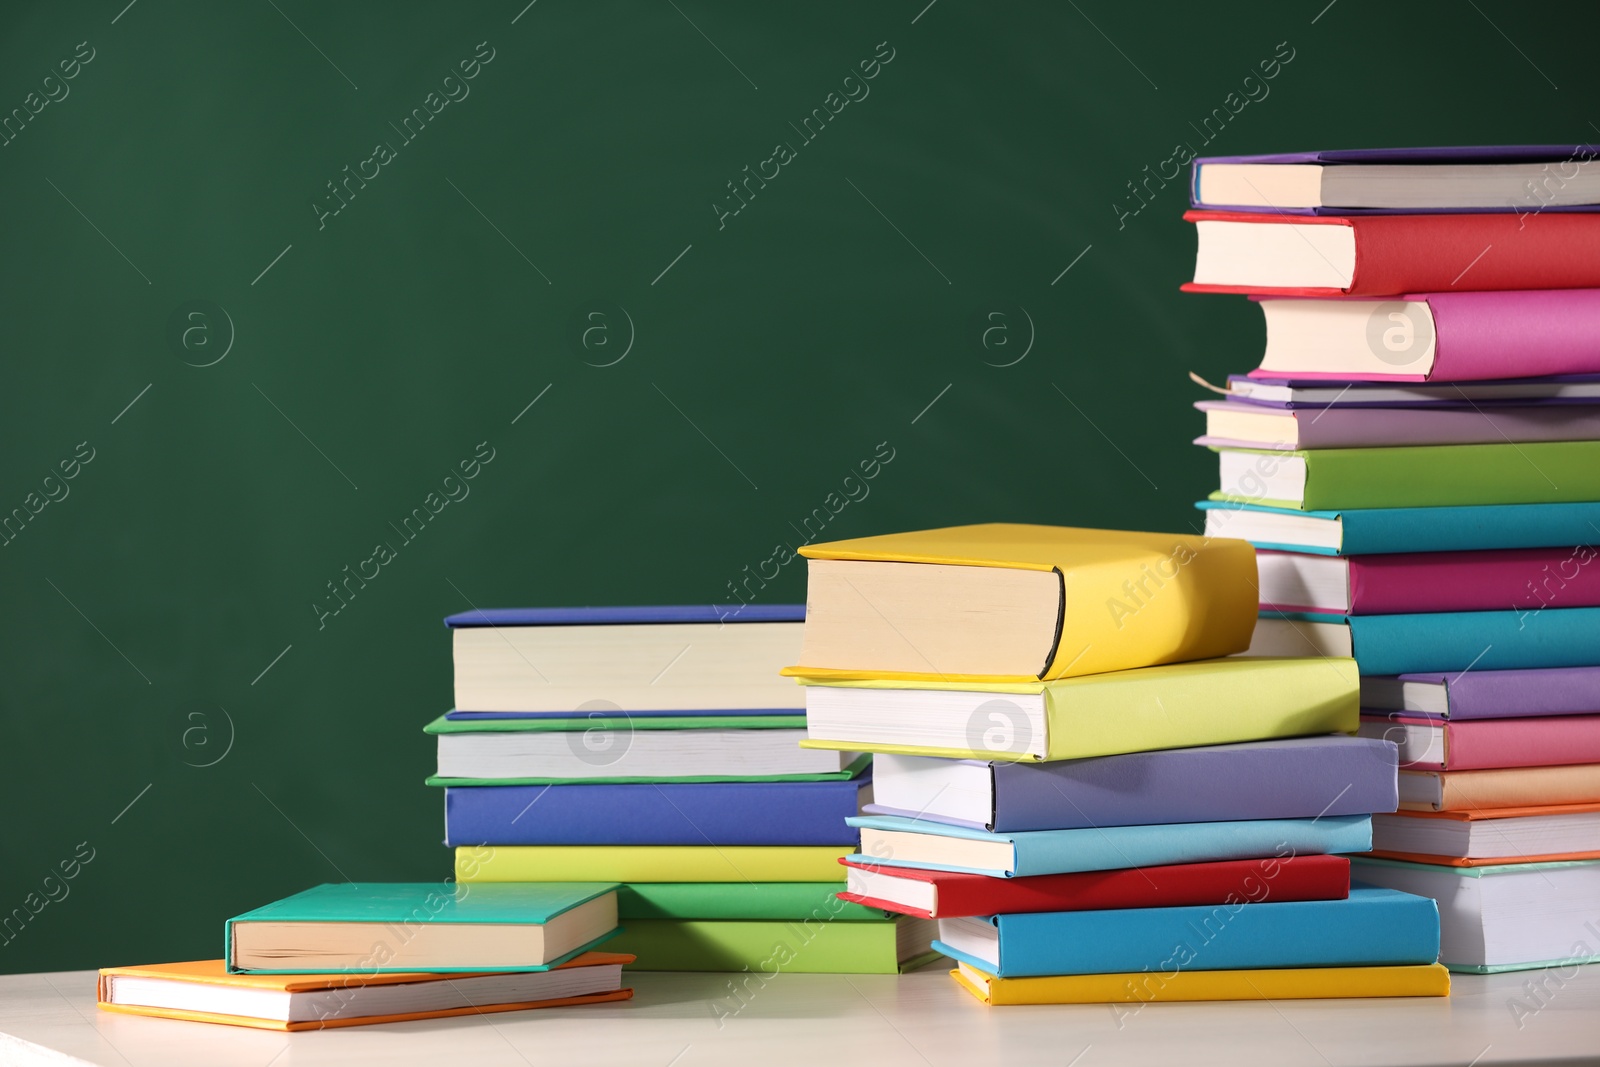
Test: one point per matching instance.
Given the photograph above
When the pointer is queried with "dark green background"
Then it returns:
(408, 330)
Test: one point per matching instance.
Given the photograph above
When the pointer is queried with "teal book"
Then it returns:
(1451, 641)
(1369, 531)
(365, 928)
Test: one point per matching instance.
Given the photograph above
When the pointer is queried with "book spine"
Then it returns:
(1485, 640)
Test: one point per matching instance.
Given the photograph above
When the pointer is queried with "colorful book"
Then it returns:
(665, 813)
(1432, 642)
(1479, 694)
(1238, 424)
(204, 991)
(1210, 702)
(1293, 778)
(852, 769)
(1514, 787)
(385, 927)
(1383, 255)
(1484, 838)
(1010, 602)
(1146, 987)
(1439, 337)
(890, 841)
(1521, 579)
(1372, 927)
(1357, 532)
(611, 660)
(933, 894)
(1504, 917)
(1480, 178)
(1317, 395)
(1438, 744)
(1421, 476)
(887, 946)
(649, 863)
(770, 901)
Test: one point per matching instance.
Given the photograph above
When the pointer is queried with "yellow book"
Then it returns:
(1145, 987)
(1012, 602)
(650, 863)
(1213, 702)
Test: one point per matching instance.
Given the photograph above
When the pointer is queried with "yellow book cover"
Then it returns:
(650, 863)
(1145, 987)
(1016, 602)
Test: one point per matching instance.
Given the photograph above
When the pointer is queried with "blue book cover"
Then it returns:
(1118, 847)
(700, 813)
(1367, 531)
(1467, 640)
(614, 616)
(1371, 928)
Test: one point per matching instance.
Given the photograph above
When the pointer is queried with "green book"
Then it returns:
(383, 927)
(739, 900)
(1332, 479)
(810, 947)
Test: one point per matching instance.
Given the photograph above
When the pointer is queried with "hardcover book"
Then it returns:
(768, 901)
(1513, 787)
(1147, 987)
(1438, 744)
(1484, 838)
(1364, 531)
(1480, 694)
(649, 863)
(887, 946)
(1239, 424)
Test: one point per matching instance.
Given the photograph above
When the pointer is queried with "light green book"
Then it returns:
(740, 900)
(768, 948)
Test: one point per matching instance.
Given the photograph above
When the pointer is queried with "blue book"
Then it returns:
(615, 616)
(1371, 928)
(1364, 531)
(701, 813)
(1465, 640)
(890, 840)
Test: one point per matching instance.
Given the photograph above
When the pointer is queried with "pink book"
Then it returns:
(1486, 744)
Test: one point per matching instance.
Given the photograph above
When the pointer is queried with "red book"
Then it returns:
(1390, 255)
(946, 894)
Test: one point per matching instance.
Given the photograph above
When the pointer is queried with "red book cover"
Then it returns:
(1225, 882)
(1490, 744)
(1398, 254)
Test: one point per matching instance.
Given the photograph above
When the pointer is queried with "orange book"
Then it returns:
(1488, 837)
(204, 991)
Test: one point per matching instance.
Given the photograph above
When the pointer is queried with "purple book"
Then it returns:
(1487, 694)
(1557, 173)
(1294, 778)
(1469, 396)
(1367, 427)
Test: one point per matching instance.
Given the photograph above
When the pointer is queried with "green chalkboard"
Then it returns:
(660, 274)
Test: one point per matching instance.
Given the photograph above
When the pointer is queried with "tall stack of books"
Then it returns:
(658, 748)
(1417, 457)
(1093, 803)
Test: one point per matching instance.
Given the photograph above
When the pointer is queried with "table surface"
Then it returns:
(917, 1019)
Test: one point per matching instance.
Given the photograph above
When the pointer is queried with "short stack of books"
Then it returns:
(1418, 459)
(658, 748)
(1094, 803)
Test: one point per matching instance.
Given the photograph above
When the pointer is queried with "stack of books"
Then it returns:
(658, 748)
(1094, 803)
(1417, 457)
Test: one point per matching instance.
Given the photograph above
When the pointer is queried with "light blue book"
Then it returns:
(895, 841)
(1362, 531)
(1372, 928)
(1462, 640)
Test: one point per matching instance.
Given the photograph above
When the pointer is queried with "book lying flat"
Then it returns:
(650, 863)
(1384, 255)
(1440, 337)
(890, 841)
(1521, 579)
(204, 991)
(1209, 702)
(1496, 835)
(1438, 744)
(853, 769)
(1315, 395)
(665, 813)
(1431, 642)
(382, 927)
(887, 946)
(1362, 531)
(781, 901)
(1513, 787)
(1479, 694)
(1144, 987)
(945, 894)
(578, 660)
(1293, 778)
(1420, 476)
(1245, 425)
(1506, 917)
(1372, 927)
(1503, 178)
(1012, 602)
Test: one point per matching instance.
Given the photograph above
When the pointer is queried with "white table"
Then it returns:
(829, 1020)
